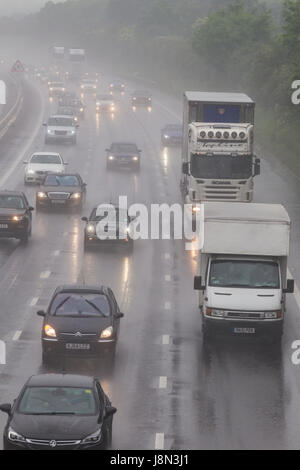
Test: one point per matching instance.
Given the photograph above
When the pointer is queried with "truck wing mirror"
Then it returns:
(198, 283)
(257, 167)
(289, 286)
(185, 168)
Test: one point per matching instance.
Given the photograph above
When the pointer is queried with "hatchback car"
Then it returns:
(82, 321)
(61, 128)
(141, 98)
(59, 412)
(57, 190)
(123, 155)
(42, 163)
(108, 224)
(15, 216)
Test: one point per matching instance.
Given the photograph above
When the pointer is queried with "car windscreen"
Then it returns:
(103, 98)
(70, 111)
(111, 214)
(61, 121)
(58, 400)
(123, 148)
(244, 274)
(81, 304)
(11, 202)
(52, 159)
(61, 180)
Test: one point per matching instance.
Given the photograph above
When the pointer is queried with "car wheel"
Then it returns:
(108, 438)
(24, 238)
(46, 359)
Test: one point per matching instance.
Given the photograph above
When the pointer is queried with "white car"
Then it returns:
(61, 128)
(42, 163)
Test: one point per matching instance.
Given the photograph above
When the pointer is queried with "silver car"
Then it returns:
(61, 129)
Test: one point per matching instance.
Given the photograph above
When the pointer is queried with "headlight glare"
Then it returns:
(107, 333)
(14, 436)
(95, 437)
(50, 331)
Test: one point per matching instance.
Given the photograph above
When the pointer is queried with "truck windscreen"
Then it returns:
(244, 274)
(221, 166)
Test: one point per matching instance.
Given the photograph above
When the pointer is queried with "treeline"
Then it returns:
(246, 45)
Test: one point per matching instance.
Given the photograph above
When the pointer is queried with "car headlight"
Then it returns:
(95, 437)
(17, 218)
(107, 333)
(50, 331)
(75, 196)
(30, 172)
(111, 157)
(73, 132)
(90, 229)
(41, 195)
(272, 315)
(135, 158)
(82, 87)
(14, 436)
(81, 110)
(166, 136)
(49, 131)
(134, 98)
(214, 312)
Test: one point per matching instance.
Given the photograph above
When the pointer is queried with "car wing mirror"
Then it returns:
(198, 283)
(6, 408)
(110, 410)
(85, 219)
(119, 315)
(290, 284)
(41, 313)
(30, 208)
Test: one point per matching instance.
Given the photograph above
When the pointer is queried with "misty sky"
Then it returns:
(10, 7)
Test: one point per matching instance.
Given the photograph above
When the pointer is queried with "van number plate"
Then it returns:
(244, 330)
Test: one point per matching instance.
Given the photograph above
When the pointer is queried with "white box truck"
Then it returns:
(243, 258)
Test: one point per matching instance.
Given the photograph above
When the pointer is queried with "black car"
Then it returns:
(123, 155)
(171, 135)
(75, 103)
(80, 321)
(59, 412)
(15, 216)
(141, 98)
(61, 190)
(108, 224)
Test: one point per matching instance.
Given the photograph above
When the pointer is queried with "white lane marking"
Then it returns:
(162, 383)
(167, 277)
(159, 441)
(167, 305)
(20, 157)
(34, 301)
(17, 335)
(56, 252)
(45, 274)
(165, 339)
(167, 255)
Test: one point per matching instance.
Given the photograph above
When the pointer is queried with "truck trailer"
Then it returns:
(243, 258)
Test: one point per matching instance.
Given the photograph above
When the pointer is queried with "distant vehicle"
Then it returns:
(116, 85)
(81, 321)
(75, 103)
(15, 216)
(68, 111)
(61, 190)
(123, 154)
(141, 98)
(117, 230)
(105, 103)
(41, 163)
(59, 411)
(88, 85)
(67, 95)
(60, 128)
(56, 88)
(171, 135)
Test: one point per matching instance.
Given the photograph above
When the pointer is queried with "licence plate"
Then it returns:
(244, 330)
(58, 201)
(77, 346)
(3, 225)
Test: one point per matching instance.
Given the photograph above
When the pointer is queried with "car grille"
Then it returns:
(60, 132)
(59, 195)
(83, 336)
(50, 443)
(245, 315)
(5, 218)
(40, 172)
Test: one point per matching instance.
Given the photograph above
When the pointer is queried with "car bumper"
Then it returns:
(118, 162)
(58, 349)
(17, 231)
(59, 202)
(263, 328)
(60, 138)
(9, 445)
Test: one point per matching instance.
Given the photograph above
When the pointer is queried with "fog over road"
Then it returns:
(231, 395)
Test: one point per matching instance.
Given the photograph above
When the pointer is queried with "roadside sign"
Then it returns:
(18, 67)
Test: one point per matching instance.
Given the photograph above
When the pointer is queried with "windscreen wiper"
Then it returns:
(94, 306)
(61, 304)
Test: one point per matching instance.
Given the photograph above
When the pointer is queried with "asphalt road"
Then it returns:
(171, 390)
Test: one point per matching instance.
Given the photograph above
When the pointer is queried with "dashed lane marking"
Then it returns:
(17, 335)
(167, 305)
(165, 339)
(159, 441)
(34, 301)
(162, 383)
(45, 274)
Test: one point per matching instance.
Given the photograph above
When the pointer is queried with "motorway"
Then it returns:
(171, 390)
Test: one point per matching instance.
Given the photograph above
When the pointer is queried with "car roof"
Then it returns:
(60, 380)
(60, 116)
(123, 143)
(73, 288)
(45, 153)
(61, 174)
(11, 192)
